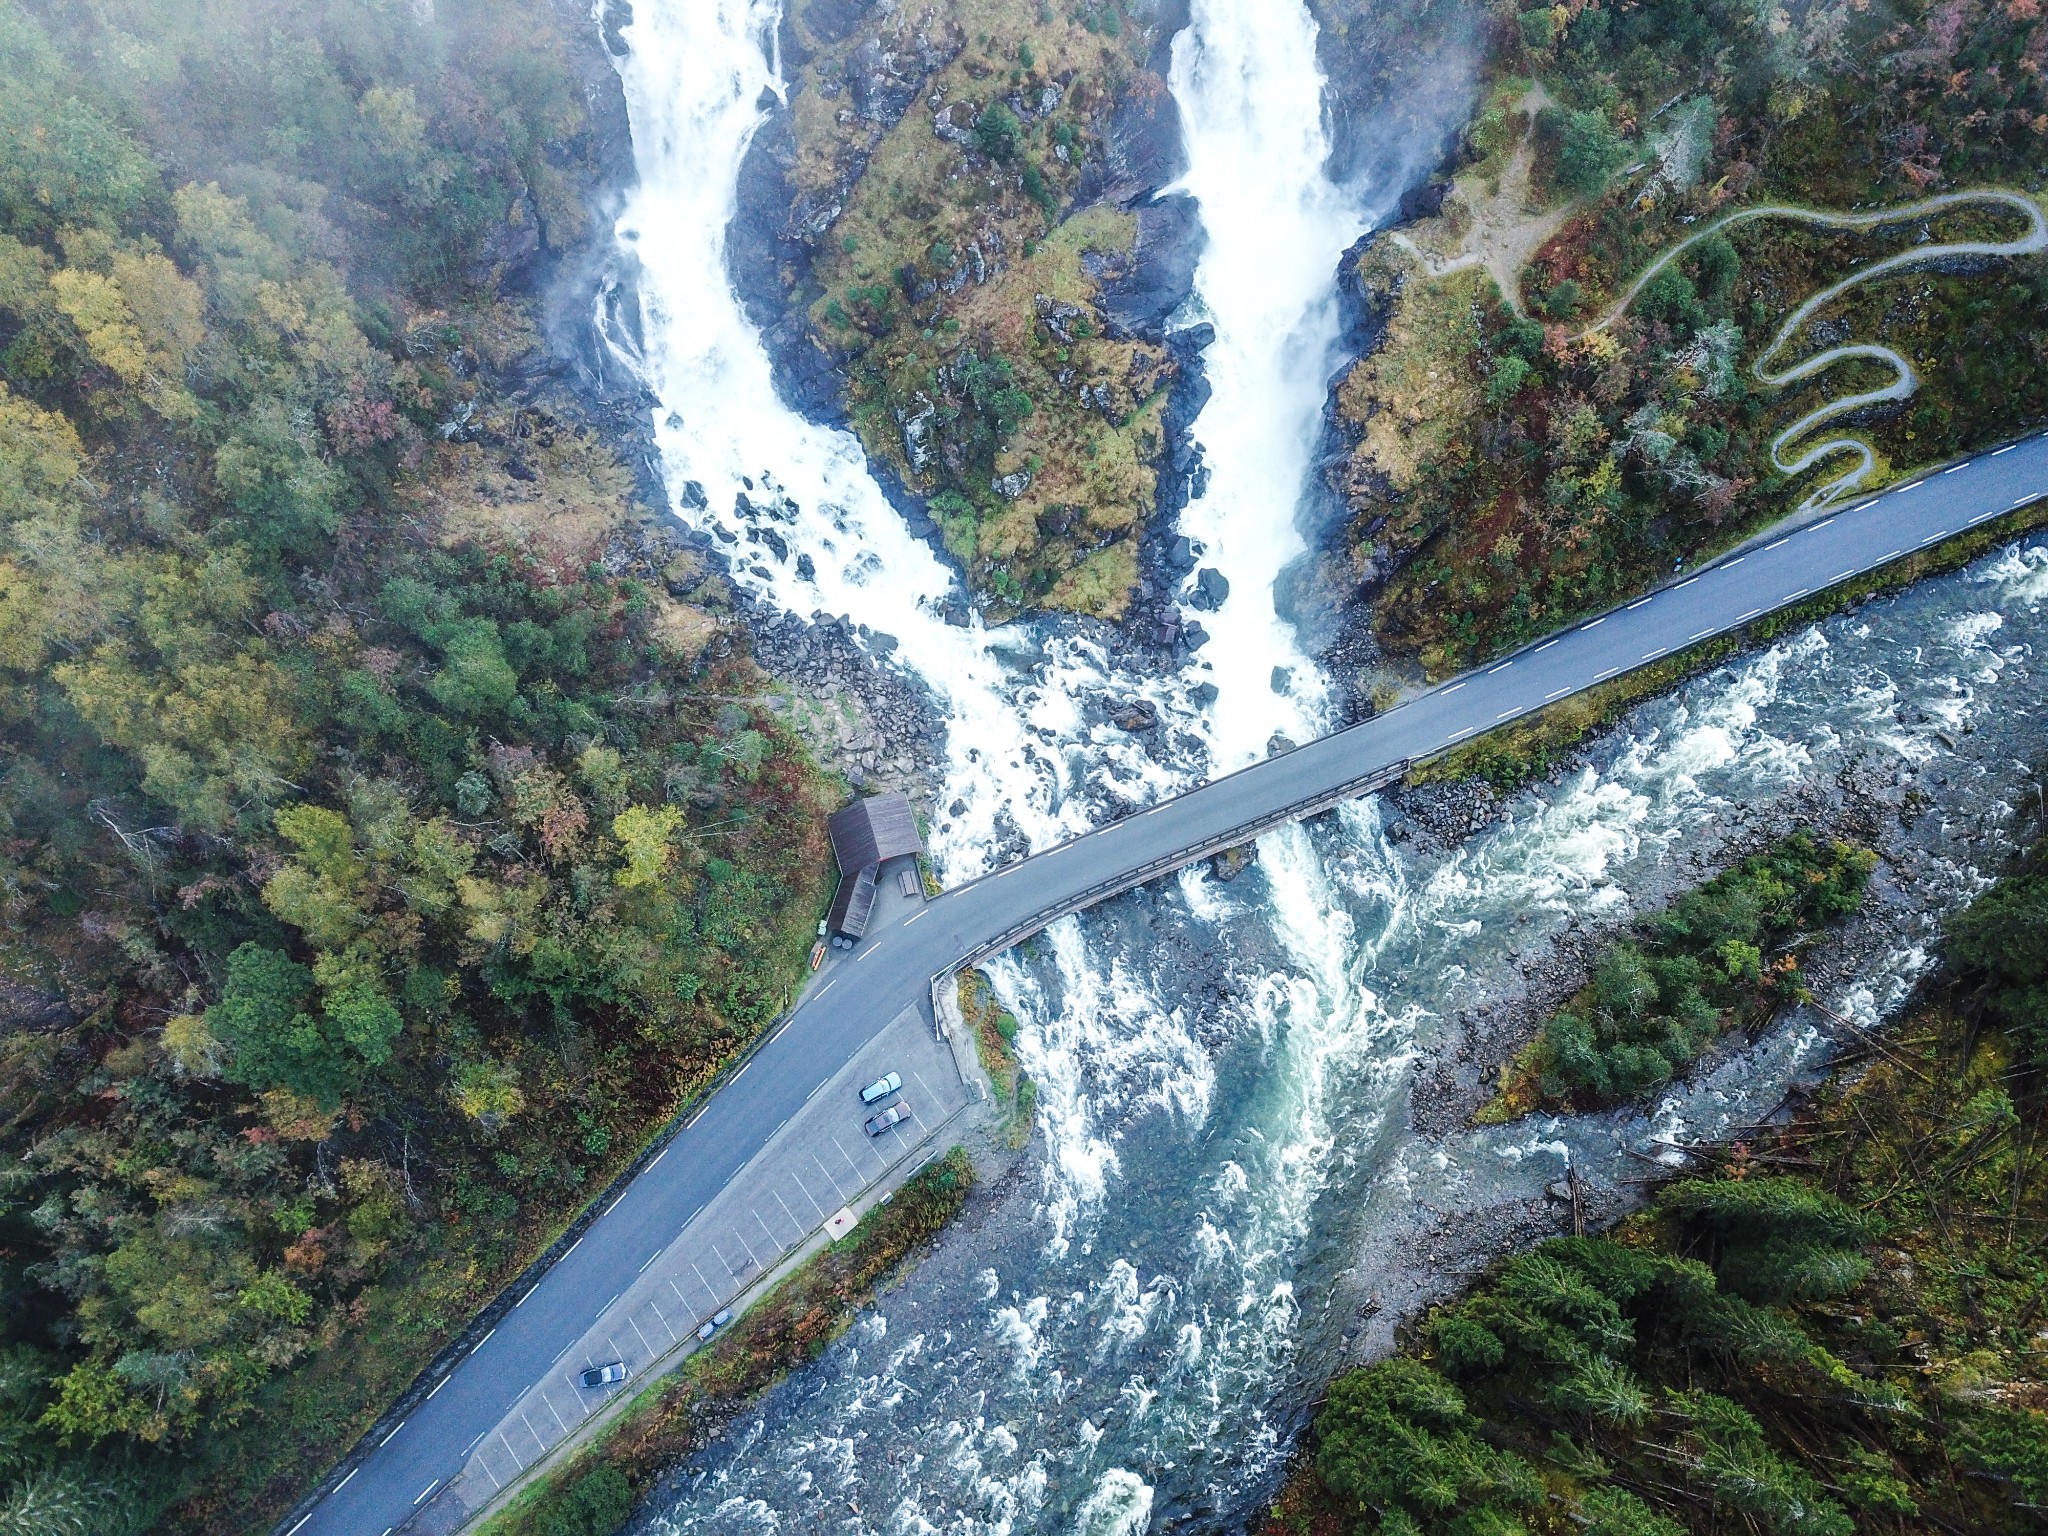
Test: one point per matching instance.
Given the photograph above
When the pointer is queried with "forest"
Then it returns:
(378, 872)
(1828, 1327)
(1514, 455)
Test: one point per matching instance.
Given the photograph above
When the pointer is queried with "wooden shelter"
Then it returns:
(865, 836)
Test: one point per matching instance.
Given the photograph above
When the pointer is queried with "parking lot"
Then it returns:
(818, 1171)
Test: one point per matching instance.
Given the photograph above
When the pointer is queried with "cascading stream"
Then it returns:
(1122, 1341)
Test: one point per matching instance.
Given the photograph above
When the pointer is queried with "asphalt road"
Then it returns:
(894, 968)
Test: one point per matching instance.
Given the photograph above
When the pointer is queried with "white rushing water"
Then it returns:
(1117, 1352)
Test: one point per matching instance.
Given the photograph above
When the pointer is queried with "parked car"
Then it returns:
(881, 1088)
(723, 1317)
(605, 1375)
(890, 1118)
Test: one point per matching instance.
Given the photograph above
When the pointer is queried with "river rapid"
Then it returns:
(1129, 1334)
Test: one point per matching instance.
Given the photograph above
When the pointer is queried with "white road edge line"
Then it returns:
(1786, 540)
(442, 1383)
(347, 1480)
(474, 1443)
(1942, 534)
(480, 1343)
(1599, 676)
(1653, 655)
(1501, 668)
(1702, 634)
(1546, 645)
(575, 1245)
(1905, 488)
(393, 1435)
(1454, 688)
(427, 1490)
(294, 1531)
(1745, 618)
(1953, 468)
(1795, 596)
(1509, 714)
(1632, 607)
(2008, 448)
(1467, 731)
(1735, 562)
(1596, 623)
(1980, 517)
(1816, 527)
(920, 912)
(1685, 583)
(1557, 695)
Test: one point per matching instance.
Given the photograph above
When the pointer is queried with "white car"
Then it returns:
(881, 1088)
(605, 1375)
(889, 1118)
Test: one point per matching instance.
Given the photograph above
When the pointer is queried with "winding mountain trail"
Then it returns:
(1905, 382)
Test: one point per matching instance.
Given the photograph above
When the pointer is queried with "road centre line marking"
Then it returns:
(347, 1480)
(1454, 688)
(1596, 623)
(1942, 534)
(920, 912)
(1632, 607)
(2008, 448)
(442, 1383)
(1786, 540)
(393, 1435)
(1567, 688)
(1467, 731)
(427, 1490)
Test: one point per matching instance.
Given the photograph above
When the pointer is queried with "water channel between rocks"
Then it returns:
(1130, 1333)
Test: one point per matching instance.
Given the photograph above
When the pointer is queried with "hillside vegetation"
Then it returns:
(953, 159)
(377, 867)
(1509, 466)
(1834, 1328)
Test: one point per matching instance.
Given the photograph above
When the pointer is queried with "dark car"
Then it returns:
(605, 1375)
(881, 1088)
(889, 1118)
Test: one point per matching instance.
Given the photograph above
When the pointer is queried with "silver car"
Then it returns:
(889, 1118)
(881, 1088)
(605, 1375)
(712, 1325)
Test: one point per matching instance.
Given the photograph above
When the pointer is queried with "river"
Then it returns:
(1130, 1335)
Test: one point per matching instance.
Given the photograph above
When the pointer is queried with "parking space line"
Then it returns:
(726, 1262)
(706, 1284)
(531, 1430)
(849, 1160)
(661, 1317)
(788, 1212)
(554, 1410)
(838, 1193)
(772, 1238)
(651, 1350)
(749, 1247)
(496, 1486)
(808, 1196)
(517, 1464)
